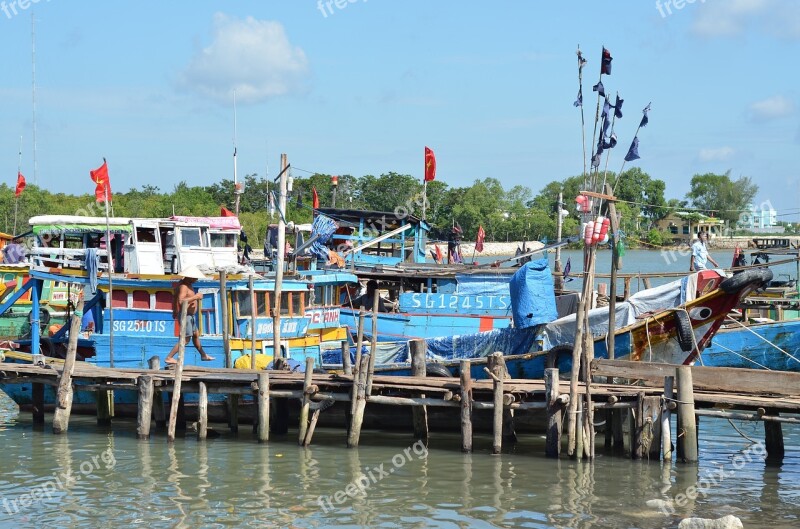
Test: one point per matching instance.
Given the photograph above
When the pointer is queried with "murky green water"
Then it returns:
(117, 481)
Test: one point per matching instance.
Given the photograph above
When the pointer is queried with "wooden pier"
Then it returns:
(740, 394)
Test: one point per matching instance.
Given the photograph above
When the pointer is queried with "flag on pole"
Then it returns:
(645, 119)
(605, 65)
(633, 152)
(567, 270)
(100, 178)
(479, 241)
(20, 185)
(225, 212)
(618, 107)
(600, 89)
(314, 198)
(430, 165)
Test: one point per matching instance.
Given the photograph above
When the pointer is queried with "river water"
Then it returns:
(104, 477)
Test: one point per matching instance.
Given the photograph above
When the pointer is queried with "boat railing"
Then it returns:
(68, 258)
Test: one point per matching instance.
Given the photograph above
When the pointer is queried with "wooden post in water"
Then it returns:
(226, 331)
(253, 325)
(105, 407)
(466, 406)
(652, 416)
(554, 414)
(627, 292)
(306, 400)
(612, 415)
(419, 349)
(176, 385)
(773, 433)
(64, 391)
(263, 407)
(588, 356)
(509, 435)
(637, 432)
(145, 408)
(360, 403)
(666, 411)
(497, 412)
(279, 421)
(687, 436)
(37, 395)
(347, 365)
(374, 343)
(202, 412)
(159, 413)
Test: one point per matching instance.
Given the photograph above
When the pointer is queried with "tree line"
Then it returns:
(515, 214)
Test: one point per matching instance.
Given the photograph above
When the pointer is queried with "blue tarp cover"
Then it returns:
(533, 299)
(482, 285)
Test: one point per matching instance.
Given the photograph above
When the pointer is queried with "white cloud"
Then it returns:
(731, 18)
(719, 154)
(253, 57)
(775, 107)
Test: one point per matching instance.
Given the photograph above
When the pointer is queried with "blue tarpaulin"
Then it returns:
(482, 285)
(533, 299)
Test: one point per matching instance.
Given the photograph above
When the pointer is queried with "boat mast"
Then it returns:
(33, 90)
(236, 191)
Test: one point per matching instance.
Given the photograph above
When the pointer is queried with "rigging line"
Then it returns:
(743, 326)
(742, 433)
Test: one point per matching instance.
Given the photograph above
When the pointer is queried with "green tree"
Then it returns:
(717, 195)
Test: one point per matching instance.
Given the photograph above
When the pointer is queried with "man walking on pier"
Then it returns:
(700, 255)
(183, 292)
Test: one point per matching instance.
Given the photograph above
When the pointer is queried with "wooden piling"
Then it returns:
(374, 343)
(627, 292)
(202, 411)
(145, 408)
(419, 350)
(176, 385)
(279, 416)
(666, 412)
(466, 406)
(306, 400)
(773, 433)
(159, 413)
(253, 319)
(612, 415)
(105, 407)
(360, 386)
(233, 413)
(347, 365)
(637, 432)
(359, 338)
(497, 412)
(37, 395)
(554, 413)
(64, 392)
(687, 436)
(223, 305)
(652, 428)
(263, 407)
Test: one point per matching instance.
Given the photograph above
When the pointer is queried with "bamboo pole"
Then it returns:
(65, 390)
(276, 314)
(466, 406)
(374, 343)
(360, 402)
(176, 385)
(306, 400)
(347, 365)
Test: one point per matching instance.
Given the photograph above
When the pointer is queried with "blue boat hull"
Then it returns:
(738, 347)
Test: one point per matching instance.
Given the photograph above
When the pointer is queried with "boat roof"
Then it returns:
(388, 219)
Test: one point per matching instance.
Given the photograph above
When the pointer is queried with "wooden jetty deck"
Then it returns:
(693, 392)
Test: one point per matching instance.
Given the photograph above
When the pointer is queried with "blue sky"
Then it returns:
(363, 88)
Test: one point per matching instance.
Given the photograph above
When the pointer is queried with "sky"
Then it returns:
(361, 86)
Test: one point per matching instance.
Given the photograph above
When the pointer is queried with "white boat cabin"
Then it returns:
(139, 246)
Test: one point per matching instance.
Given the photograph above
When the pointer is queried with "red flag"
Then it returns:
(430, 165)
(315, 198)
(479, 241)
(100, 178)
(439, 256)
(20, 185)
(225, 212)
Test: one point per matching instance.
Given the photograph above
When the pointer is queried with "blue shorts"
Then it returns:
(190, 326)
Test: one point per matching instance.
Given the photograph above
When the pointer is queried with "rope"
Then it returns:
(743, 357)
(764, 339)
(742, 433)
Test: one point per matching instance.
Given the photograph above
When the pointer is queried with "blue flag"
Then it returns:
(606, 108)
(567, 269)
(579, 102)
(618, 107)
(600, 89)
(645, 119)
(633, 152)
(611, 143)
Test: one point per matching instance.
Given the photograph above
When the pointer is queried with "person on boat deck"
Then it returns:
(700, 255)
(366, 300)
(183, 292)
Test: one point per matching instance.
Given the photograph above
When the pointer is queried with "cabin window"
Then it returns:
(223, 240)
(319, 295)
(119, 299)
(686, 230)
(262, 304)
(190, 237)
(673, 230)
(164, 300)
(298, 308)
(145, 234)
(141, 299)
(244, 304)
(286, 303)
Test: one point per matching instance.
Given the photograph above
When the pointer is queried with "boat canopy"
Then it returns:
(220, 223)
(58, 224)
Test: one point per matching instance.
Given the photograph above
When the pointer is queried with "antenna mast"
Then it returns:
(236, 189)
(33, 87)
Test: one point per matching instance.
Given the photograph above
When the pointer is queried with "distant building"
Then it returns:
(679, 226)
(763, 219)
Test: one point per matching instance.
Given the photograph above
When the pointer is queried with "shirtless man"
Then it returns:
(183, 292)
